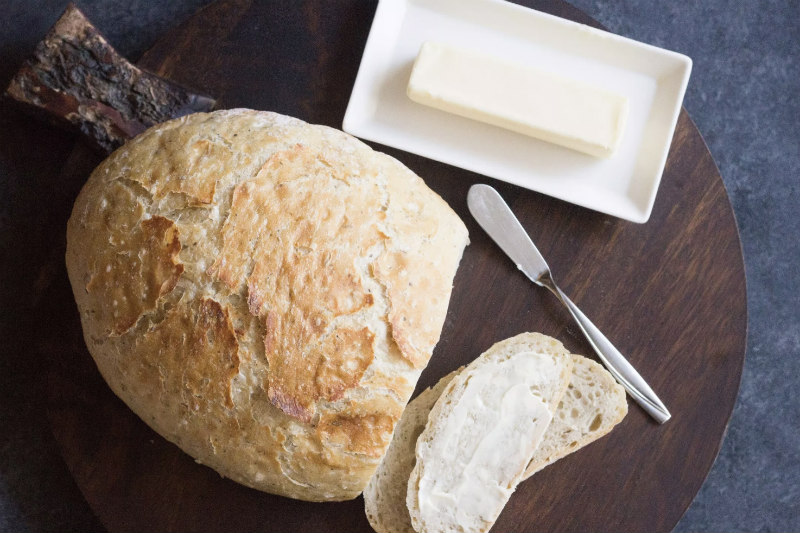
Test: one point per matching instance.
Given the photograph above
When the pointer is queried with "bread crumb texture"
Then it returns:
(592, 406)
(264, 293)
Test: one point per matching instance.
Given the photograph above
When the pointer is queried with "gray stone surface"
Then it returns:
(744, 96)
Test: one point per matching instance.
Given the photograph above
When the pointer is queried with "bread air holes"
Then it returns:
(598, 420)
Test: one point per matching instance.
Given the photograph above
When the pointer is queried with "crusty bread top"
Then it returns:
(482, 431)
(264, 293)
(592, 405)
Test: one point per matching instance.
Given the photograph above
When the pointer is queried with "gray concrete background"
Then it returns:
(744, 96)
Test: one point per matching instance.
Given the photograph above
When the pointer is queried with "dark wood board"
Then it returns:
(669, 293)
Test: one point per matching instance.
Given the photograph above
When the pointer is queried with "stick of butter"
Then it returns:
(519, 98)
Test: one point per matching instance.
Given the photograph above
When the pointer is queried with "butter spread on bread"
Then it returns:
(385, 494)
(264, 293)
(482, 432)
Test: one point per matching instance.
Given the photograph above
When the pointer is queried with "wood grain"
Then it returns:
(670, 294)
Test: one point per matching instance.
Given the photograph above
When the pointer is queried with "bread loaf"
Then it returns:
(482, 432)
(264, 293)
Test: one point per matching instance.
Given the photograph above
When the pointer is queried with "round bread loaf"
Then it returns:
(264, 293)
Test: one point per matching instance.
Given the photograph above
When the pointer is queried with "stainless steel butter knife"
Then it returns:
(497, 219)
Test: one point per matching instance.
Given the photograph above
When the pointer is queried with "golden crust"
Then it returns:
(324, 370)
(427, 249)
(148, 252)
(190, 357)
(182, 164)
(283, 285)
(367, 434)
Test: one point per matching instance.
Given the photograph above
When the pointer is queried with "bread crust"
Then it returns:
(264, 293)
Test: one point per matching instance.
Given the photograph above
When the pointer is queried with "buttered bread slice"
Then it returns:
(385, 494)
(591, 406)
(482, 433)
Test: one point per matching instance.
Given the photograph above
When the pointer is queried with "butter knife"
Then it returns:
(497, 219)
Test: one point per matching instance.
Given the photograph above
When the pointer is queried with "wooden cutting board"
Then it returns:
(670, 294)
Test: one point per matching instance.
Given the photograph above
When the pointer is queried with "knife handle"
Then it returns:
(614, 361)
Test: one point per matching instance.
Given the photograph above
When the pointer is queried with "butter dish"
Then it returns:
(653, 80)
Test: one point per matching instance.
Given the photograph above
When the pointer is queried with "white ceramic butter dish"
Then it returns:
(653, 79)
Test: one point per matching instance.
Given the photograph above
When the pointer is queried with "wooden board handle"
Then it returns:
(77, 80)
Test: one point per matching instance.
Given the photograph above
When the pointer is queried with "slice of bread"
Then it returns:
(593, 404)
(482, 432)
(600, 402)
(385, 494)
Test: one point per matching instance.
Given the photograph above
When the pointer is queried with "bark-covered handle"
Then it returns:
(76, 79)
